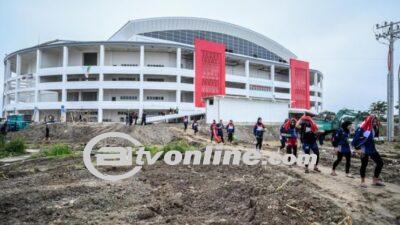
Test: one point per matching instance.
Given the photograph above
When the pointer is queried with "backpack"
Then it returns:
(336, 138)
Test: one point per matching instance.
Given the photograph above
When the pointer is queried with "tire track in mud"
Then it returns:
(372, 205)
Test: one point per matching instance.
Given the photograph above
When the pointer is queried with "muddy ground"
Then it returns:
(62, 191)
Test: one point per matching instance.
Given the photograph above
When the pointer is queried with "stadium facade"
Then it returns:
(148, 66)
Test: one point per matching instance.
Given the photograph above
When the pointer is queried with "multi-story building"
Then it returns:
(146, 66)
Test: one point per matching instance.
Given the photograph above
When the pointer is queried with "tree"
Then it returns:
(379, 108)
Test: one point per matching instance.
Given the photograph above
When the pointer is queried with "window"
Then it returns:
(155, 79)
(211, 102)
(72, 96)
(126, 79)
(282, 90)
(90, 59)
(233, 44)
(113, 99)
(155, 98)
(260, 88)
(89, 96)
(124, 64)
(128, 98)
(229, 84)
(155, 65)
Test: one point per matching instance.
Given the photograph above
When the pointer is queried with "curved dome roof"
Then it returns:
(146, 26)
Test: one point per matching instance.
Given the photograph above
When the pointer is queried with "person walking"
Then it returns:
(135, 117)
(364, 144)
(130, 119)
(213, 130)
(127, 119)
(258, 131)
(308, 138)
(195, 126)
(340, 142)
(47, 133)
(291, 134)
(230, 129)
(220, 131)
(185, 123)
(282, 133)
(143, 123)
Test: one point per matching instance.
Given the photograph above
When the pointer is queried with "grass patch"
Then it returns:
(178, 145)
(12, 148)
(57, 150)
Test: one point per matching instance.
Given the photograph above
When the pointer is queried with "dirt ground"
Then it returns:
(62, 191)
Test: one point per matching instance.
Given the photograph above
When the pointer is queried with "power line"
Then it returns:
(387, 33)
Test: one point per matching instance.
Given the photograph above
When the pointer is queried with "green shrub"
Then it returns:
(58, 150)
(152, 149)
(179, 145)
(2, 141)
(15, 147)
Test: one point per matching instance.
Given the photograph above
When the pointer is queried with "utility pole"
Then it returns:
(387, 33)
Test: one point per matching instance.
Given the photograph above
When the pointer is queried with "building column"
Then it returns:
(273, 80)
(65, 64)
(36, 115)
(63, 114)
(247, 72)
(18, 65)
(37, 77)
(142, 56)
(178, 58)
(101, 94)
(64, 95)
(65, 56)
(80, 96)
(18, 72)
(101, 55)
(8, 69)
(141, 80)
(99, 115)
(141, 105)
(178, 90)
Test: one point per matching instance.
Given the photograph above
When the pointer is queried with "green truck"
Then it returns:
(17, 122)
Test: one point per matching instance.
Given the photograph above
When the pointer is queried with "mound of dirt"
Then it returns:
(63, 191)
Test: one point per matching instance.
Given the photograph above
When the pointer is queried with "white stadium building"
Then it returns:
(147, 66)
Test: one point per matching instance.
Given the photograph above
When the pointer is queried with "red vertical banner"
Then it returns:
(209, 70)
(300, 84)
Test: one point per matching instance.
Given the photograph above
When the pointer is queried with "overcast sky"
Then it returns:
(336, 38)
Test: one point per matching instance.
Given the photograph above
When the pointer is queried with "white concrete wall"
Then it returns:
(160, 58)
(254, 72)
(169, 96)
(51, 59)
(238, 70)
(75, 57)
(245, 110)
(118, 58)
(108, 94)
(28, 66)
(169, 89)
(49, 96)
